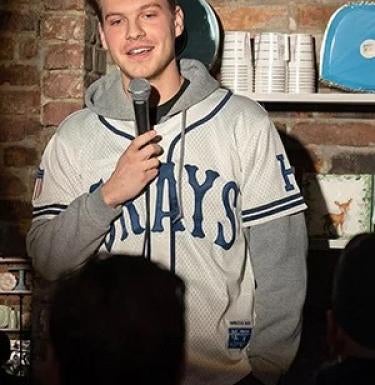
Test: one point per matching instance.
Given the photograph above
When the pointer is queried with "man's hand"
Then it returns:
(136, 167)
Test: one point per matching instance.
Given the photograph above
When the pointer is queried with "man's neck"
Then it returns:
(166, 84)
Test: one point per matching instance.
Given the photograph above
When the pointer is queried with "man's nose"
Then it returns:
(135, 30)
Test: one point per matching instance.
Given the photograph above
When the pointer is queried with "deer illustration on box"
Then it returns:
(340, 206)
(333, 222)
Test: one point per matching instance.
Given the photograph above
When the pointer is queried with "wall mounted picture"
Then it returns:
(339, 206)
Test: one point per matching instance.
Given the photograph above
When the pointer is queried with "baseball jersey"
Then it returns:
(227, 172)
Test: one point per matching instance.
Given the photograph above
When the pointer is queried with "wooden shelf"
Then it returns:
(15, 330)
(15, 292)
(325, 98)
(15, 260)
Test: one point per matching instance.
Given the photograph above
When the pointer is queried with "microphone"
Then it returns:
(140, 90)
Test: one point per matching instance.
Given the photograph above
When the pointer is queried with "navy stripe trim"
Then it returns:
(47, 212)
(198, 123)
(114, 129)
(275, 211)
(53, 206)
(272, 204)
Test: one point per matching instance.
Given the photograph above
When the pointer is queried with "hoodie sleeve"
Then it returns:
(278, 251)
(69, 224)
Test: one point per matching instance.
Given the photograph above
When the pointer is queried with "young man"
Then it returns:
(352, 317)
(221, 198)
(107, 327)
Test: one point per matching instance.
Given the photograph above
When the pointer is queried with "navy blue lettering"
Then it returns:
(166, 177)
(220, 240)
(134, 221)
(110, 238)
(285, 173)
(95, 186)
(199, 193)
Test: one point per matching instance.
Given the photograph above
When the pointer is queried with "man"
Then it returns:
(108, 327)
(351, 320)
(221, 197)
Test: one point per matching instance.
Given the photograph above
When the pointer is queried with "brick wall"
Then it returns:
(20, 110)
(49, 55)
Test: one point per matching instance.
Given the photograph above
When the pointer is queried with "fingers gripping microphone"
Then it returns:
(140, 90)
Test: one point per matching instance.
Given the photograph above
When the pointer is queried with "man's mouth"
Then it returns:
(139, 51)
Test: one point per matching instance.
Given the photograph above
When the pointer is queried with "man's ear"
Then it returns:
(179, 21)
(102, 37)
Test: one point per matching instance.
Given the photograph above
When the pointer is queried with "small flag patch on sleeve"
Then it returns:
(39, 176)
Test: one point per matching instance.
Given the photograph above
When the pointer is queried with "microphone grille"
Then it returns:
(140, 89)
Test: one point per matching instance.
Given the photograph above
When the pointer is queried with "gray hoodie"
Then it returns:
(71, 223)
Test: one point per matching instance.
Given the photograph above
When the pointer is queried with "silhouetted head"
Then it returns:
(119, 320)
(353, 296)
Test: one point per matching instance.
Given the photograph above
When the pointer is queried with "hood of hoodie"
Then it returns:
(103, 96)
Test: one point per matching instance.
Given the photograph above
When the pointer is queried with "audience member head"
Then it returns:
(352, 319)
(4, 348)
(119, 320)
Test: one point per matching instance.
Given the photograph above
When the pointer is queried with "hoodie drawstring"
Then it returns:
(178, 202)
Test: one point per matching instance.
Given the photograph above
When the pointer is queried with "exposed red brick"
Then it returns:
(313, 16)
(11, 185)
(12, 21)
(19, 156)
(15, 128)
(19, 102)
(19, 75)
(64, 56)
(28, 48)
(53, 5)
(354, 163)
(55, 112)
(63, 27)
(253, 17)
(63, 85)
(7, 47)
(356, 133)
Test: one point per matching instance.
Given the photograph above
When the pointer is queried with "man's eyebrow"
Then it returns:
(149, 5)
(142, 8)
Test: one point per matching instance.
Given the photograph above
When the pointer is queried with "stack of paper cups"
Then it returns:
(301, 68)
(236, 67)
(271, 54)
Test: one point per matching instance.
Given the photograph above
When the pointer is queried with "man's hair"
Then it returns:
(96, 6)
(353, 295)
(119, 320)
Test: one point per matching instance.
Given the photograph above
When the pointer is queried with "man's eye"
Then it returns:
(115, 22)
(149, 15)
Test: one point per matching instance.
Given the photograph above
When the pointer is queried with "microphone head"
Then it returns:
(139, 89)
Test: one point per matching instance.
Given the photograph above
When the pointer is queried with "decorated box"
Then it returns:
(340, 206)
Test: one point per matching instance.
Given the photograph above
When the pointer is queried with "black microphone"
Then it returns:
(140, 90)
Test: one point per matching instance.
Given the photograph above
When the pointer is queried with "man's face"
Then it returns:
(140, 36)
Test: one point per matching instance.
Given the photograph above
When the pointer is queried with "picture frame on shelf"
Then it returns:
(339, 206)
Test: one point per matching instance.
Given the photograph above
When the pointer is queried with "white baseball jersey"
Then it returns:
(232, 173)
